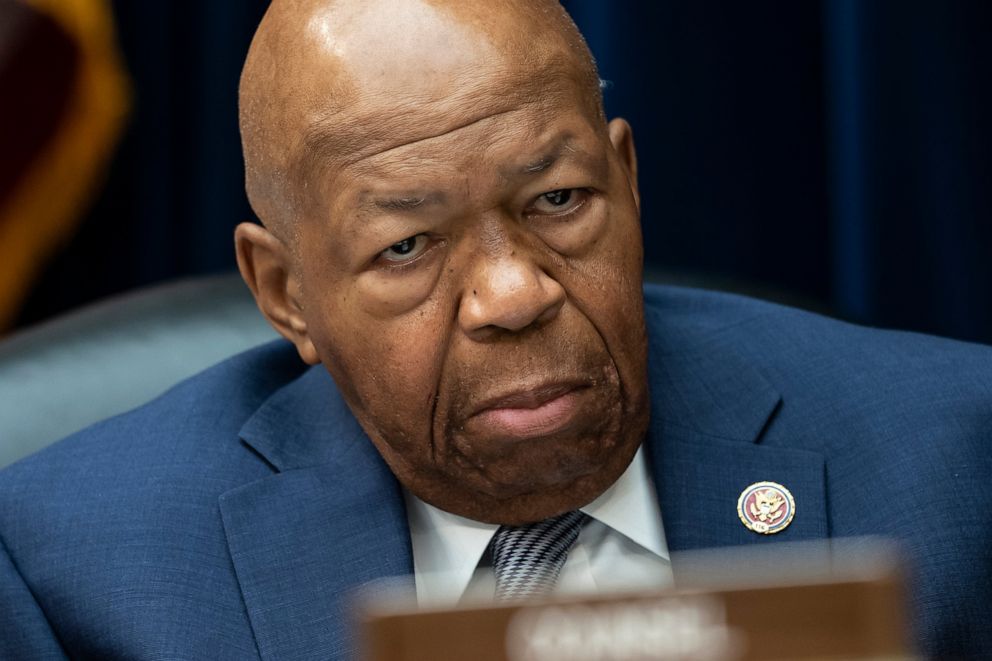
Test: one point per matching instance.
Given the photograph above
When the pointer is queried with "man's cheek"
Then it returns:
(399, 378)
(608, 293)
(386, 298)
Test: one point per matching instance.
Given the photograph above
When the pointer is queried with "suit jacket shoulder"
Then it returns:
(116, 528)
(902, 422)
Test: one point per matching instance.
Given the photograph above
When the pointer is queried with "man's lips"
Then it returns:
(531, 412)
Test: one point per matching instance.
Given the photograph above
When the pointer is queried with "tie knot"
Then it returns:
(527, 559)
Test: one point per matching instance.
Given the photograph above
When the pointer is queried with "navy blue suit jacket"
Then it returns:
(227, 519)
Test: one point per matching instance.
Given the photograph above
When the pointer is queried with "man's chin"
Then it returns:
(540, 484)
(517, 504)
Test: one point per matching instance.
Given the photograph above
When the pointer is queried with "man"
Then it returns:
(451, 246)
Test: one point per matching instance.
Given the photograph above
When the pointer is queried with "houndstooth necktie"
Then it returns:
(527, 559)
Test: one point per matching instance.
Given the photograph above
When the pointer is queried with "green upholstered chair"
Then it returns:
(104, 359)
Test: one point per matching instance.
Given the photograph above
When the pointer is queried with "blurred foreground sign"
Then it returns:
(801, 602)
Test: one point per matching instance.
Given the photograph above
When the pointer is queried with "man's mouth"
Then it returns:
(531, 412)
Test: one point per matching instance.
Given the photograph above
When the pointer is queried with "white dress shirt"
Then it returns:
(621, 546)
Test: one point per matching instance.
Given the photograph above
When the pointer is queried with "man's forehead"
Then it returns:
(382, 42)
(401, 70)
(521, 159)
(389, 49)
(365, 130)
(501, 147)
(331, 83)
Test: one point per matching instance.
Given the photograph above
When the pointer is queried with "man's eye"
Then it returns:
(406, 250)
(558, 202)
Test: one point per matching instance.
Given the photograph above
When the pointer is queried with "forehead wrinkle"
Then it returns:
(388, 152)
(339, 138)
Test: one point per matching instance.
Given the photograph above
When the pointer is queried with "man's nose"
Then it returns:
(508, 293)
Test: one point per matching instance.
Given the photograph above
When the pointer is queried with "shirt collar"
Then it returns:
(630, 507)
(447, 547)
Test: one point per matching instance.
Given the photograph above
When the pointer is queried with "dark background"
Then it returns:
(835, 154)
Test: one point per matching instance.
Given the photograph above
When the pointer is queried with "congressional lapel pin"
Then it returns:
(766, 507)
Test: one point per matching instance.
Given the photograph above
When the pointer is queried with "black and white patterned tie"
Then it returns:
(527, 559)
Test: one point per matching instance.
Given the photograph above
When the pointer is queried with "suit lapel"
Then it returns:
(330, 520)
(710, 408)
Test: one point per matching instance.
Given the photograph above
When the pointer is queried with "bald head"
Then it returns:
(329, 82)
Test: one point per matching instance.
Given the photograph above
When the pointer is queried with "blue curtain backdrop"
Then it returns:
(839, 150)
(834, 153)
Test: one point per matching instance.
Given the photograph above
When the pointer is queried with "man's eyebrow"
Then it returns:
(402, 202)
(540, 165)
(563, 147)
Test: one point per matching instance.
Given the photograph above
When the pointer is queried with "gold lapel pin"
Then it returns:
(766, 507)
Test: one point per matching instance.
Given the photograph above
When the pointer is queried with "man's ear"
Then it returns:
(266, 266)
(622, 139)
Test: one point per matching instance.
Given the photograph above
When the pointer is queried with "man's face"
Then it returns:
(473, 287)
